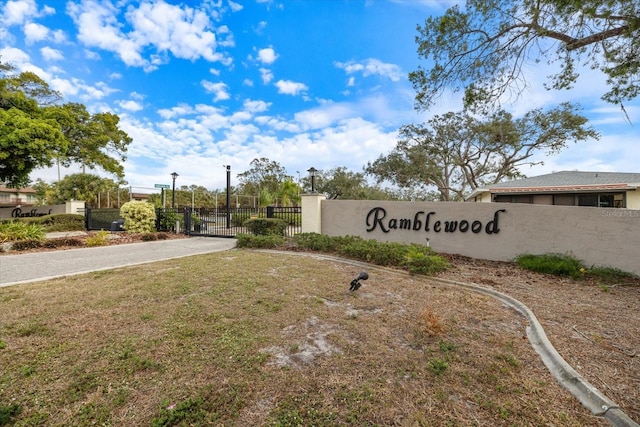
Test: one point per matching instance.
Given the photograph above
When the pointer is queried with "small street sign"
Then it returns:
(162, 186)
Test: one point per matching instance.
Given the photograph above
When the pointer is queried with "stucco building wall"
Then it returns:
(494, 231)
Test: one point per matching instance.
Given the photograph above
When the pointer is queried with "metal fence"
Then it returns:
(201, 221)
(101, 219)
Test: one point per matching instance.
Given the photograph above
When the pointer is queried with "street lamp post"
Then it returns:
(312, 173)
(174, 175)
(228, 167)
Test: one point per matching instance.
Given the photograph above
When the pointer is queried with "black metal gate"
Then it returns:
(222, 222)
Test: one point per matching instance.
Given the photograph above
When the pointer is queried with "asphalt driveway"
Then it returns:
(31, 267)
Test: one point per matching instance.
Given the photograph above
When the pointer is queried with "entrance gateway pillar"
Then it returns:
(312, 212)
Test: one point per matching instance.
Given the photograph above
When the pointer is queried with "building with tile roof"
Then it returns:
(567, 188)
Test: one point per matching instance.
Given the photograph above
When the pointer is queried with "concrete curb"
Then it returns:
(590, 397)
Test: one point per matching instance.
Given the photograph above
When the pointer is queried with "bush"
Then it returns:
(418, 259)
(557, 264)
(239, 218)
(266, 226)
(26, 244)
(270, 241)
(61, 242)
(168, 219)
(14, 231)
(58, 222)
(101, 238)
(319, 242)
(422, 260)
(149, 237)
(139, 217)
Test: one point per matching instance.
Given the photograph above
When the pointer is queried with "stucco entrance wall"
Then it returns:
(494, 231)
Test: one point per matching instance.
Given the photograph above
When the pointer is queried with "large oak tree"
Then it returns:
(482, 49)
(457, 153)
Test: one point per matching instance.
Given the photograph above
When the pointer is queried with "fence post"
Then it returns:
(270, 212)
(312, 213)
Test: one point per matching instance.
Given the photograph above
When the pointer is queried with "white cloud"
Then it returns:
(183, 31)
(35, 32)
(267, 55)
(372, 67)
(19, 11)
(218, 89)
(266, 75)
(256, 106)
(235, 7)
(247, 82)
(180, 110)
(324, 116)
(15, 56)
(130, 105)
(288, 87)
(50, 54)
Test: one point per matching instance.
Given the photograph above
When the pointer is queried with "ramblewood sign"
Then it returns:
(430, 222)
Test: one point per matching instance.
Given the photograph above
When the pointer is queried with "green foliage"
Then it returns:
(8, 412)
(340, 183)
(438, 366)
(608, 274)
(557, 264)
(27, 142)
(58, 222)
(457, 152)
(168, 219)
(187, 412)
(139, 217)
(14, 231)
(28, 139)
(271, 241)
(94, 140)
(417, 259)
(239, 218)
(422, 260)
(316, 242)
(101, 238)
(266, 226)
(482, 49)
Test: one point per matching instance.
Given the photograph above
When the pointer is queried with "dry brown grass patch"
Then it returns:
(248, 338)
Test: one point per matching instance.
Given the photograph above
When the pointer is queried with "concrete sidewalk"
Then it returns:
(31, 267)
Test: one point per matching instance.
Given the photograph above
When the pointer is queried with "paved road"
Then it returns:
(31, 267)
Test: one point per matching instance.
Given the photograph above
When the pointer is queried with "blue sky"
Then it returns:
(322, 83)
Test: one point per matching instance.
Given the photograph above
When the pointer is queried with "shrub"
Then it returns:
(315, 242)
(269, 241)
(168, 220)
(238, 218)
(101, 238)
(266, 226)
(423, 260)
(418, 259)
(61, 242)
(608, 274)
(139, 217)
(26, 244)
(557, 264)
(58, 222)
(18, 230)
(149, 237)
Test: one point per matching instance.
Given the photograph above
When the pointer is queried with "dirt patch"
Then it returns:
(594, 325)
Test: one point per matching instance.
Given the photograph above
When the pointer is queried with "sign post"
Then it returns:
(162, 192)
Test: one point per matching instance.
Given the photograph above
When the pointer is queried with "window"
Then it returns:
(587, 200)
